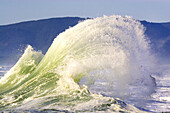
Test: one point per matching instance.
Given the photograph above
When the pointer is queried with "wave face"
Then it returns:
(113, 48)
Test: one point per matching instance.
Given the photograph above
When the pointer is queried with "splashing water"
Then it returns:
(113, 49)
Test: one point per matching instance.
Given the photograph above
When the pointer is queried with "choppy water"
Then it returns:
(158, 101)
(100, 65)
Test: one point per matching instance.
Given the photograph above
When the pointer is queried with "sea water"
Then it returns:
(100, 65)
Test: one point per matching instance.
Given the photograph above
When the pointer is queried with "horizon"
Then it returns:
(39, 19)
(11, 12)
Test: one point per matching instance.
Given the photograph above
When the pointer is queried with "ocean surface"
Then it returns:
(100, 65)
(158, 101)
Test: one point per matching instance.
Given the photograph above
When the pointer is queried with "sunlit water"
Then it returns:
(103, 64)
(158, 101)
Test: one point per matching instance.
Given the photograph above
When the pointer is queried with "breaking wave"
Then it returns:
(110, 48)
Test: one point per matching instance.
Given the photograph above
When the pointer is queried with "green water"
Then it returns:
(39, 82)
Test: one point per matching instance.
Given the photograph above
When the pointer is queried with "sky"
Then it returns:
(14, 11)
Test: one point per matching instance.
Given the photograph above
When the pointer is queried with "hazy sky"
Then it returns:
(12, 11)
